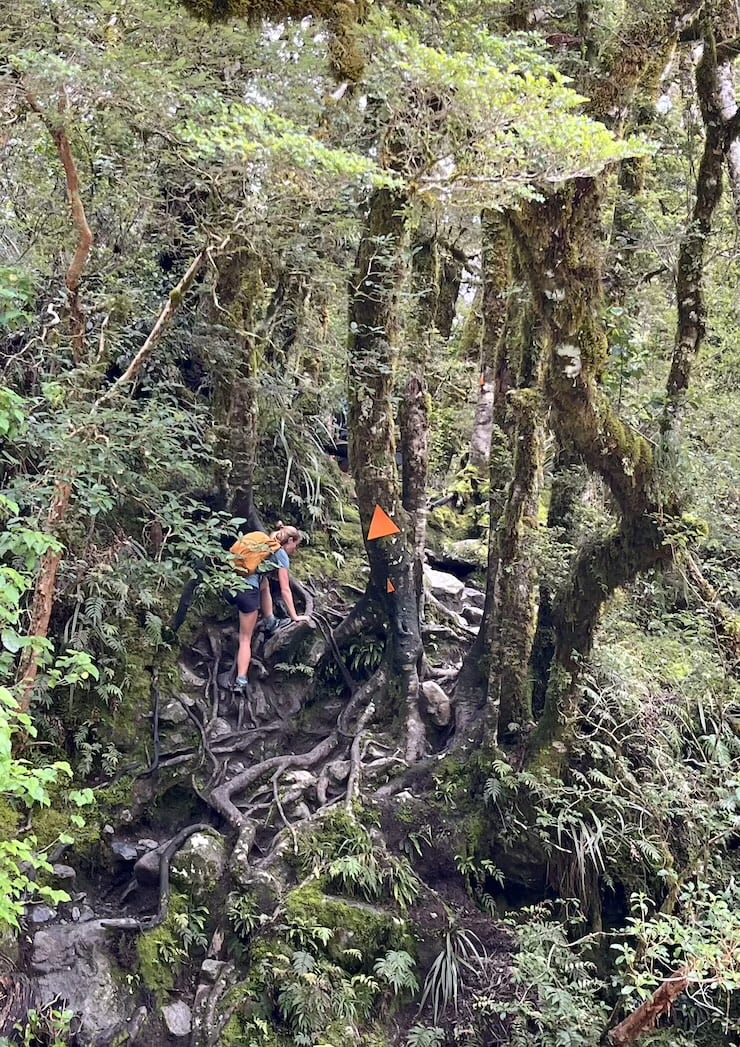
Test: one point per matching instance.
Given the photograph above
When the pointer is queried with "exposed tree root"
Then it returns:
(353, 781)
(221, 797)
(148, 923)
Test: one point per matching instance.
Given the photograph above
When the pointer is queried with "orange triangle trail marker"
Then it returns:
(390, 587)
(381, 525)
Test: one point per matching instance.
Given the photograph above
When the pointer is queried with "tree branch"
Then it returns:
(691, 323)
(85, 236)
(644, 1019)
(43, 596)
(163, 321)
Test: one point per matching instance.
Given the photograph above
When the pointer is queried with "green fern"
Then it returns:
(397, 969)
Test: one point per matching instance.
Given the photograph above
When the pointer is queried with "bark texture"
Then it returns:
(380, 272)
(73, 279)
(647, 1015)
(559, 247)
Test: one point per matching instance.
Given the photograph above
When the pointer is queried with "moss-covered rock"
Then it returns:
(354, 925)
(200, 864)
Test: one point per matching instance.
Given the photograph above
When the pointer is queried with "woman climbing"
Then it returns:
(274, 554)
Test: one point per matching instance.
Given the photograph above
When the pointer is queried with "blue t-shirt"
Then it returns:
(275, 560)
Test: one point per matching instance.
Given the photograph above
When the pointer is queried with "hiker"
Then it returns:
(265, 554)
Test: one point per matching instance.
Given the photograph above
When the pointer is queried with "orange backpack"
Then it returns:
(251, 549)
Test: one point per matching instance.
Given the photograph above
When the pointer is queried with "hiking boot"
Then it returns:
(240, 684)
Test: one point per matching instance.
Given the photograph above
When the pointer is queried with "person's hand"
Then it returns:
(303, 618)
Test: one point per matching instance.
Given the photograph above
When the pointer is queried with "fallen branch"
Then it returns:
(645, 1018)
(163, 321)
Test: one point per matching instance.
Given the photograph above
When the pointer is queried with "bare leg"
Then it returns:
(266, 599)
(247, 623)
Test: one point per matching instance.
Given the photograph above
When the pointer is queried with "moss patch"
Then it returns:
(354, 925)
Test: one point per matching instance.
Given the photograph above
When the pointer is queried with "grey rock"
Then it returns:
(442, 585)
(109, 830)
(172, 711)
(339, 770)
(73, 962)
(124, 850)
(300, 812)
(146, 869)
(239, 862)
(64, 872)
(142, 846)
(219, 727)
(473, 597)
(264, 888)
(178, 1018)
(178, 739)
(191, 679)
(302, 779)
(41, 914)
(200, 863)
(210, 970)
(437, 703)
(473, 614)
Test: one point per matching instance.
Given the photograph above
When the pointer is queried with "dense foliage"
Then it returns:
(476, 263)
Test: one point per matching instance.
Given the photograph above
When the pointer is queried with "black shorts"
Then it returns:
(247, 601)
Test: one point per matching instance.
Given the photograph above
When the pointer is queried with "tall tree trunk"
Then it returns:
(515, 587)
(493, 439)
(239, 291)
(43, 595)
(57, 131)
(558, 243)
(380, 272)
(495, 378)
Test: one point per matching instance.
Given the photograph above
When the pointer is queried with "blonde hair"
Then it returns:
(284, 534)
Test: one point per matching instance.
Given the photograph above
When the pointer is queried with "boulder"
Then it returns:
(473, 615)
(443, 586)
(124, 850)
(146, 869)
(64, 872)
(178, 1018)
(218, 728)
(172, 711)
(41, 914)
(73, 962)
(473, 597)
(200, 863)
(438, 705)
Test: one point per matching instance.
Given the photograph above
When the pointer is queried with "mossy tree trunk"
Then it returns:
(239, 291)
(283, 329)
(559, 245)
(566, 491)
(495, 375)
(491, 454)
(374, 314)
(515, 590)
